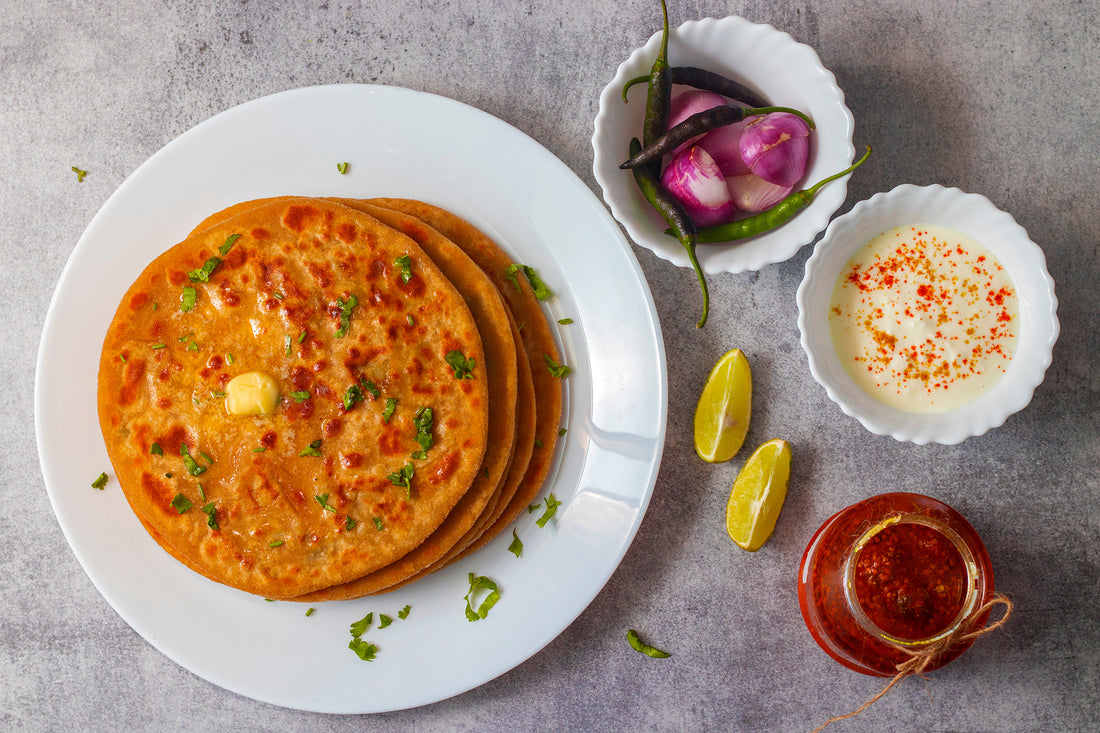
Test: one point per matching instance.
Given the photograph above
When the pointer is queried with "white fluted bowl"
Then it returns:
(786, 72)
(967, 213)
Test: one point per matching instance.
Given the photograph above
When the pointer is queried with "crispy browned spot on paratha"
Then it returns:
(538, 341)
(290, 522)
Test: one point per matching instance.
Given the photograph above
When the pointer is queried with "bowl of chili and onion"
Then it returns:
(767, 60)
(928, 314)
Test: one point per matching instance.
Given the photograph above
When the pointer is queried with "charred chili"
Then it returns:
(709, 81)
(698, 124)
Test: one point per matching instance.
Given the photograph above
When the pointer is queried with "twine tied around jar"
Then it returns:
(919, 661)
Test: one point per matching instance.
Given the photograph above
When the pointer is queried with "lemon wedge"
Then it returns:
(723, 411)
(758, 494)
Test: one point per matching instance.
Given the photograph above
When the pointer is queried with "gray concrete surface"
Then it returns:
(995, 98)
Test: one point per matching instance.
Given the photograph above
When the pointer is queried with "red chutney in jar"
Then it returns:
(889, 575)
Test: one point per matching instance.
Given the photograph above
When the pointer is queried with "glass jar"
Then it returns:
(890, 575)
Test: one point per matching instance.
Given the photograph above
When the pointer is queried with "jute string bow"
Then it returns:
(919, 661)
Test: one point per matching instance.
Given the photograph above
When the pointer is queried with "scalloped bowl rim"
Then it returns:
(794, 76)
(967, 213)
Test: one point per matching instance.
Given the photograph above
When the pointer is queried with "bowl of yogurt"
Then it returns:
(928, 314)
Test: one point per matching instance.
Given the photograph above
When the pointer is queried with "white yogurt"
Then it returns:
(924, 319)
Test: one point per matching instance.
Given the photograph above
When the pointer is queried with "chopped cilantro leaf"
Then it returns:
(156, 450)
(480, 583)
(646, 649)
(370, 387)
(358, 628)
(211, 512)
(516, 548)
(229, 242)
(537, 285)
(404, 612)
(423, 423)
(300, 396)
(192, 346)
(510, 274)
(384, 620)
(350, 524)
(556, 369)
(363, 650)
(100, 481)
(202, 274)
(391, 405)
(462, 366)
(378, 523)
(353, 395)
(322, 499)
(190, 463)
(181, 503)
(405, 264)
(552, 505)
(403, 478)
(313, 449)
(188, 298)
(346, 307)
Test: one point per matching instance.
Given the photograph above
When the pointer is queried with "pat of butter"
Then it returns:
(251, 393)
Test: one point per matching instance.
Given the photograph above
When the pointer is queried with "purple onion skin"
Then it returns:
(687, 103)
(724, 145)
(776, 147)
(695, 180)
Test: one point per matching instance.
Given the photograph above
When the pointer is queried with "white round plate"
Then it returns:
(399, 143)
(788, 73)
(967, 213)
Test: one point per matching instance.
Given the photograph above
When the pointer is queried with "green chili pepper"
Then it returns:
(648, 177)
(707, 80)
(683, 228)
(660, 90)
(773, 217)
(698, 124)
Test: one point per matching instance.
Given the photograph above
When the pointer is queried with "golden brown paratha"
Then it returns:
(538, 342)
(511, 404)
(280, 520)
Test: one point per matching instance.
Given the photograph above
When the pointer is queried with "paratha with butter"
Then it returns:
(315, 297)
(499, 339)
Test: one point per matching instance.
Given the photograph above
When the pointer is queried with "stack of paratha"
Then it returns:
(415, 418)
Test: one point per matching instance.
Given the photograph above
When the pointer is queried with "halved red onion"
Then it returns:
(695, 180)
(690, 102)
(753, 194)
(776, 146)
(724, 145)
